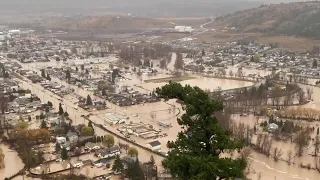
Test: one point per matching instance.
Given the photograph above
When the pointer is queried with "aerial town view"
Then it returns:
(148, 91)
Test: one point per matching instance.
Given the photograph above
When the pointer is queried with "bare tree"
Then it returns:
(259, 176)
(87, 172)
(301, 141)
(179, 61)
(301, 96)
(277, 153)
(246, 154)
(309, 93)
(316, 146)
(290, 156)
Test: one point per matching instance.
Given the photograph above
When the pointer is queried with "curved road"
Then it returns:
(203, 30)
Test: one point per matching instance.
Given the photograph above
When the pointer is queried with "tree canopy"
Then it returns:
(195, 153)
(89, 101)
(109, 140)
(118, 165)
(87, 131)
(133, 152)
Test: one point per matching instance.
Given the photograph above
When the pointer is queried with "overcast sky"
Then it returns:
(136, 7)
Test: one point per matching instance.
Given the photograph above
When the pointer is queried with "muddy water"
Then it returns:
(211, 84)
(270, 169)
(12, 162)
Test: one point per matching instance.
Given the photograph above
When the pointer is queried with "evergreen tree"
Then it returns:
(64, 154)
(114, 74)
(90, 125)
(318, 131)
(82, 67)
(203, 53)
(134, 171)
(66, 114)
(196, 152)
(50, 104)
(47, 109)
(118, 165)
(77, 69)
(58, 147)
(103, 92)
(43, 73)
(89, 100)
(60, 112)
(42, 116)
(179, 61)
(48, 77)
(315, 63)
(68, 75)
(43, 125)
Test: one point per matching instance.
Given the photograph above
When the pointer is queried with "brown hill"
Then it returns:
(99, 23)
(299, 19)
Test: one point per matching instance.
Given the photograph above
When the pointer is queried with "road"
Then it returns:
(202, 31)
(75, 114)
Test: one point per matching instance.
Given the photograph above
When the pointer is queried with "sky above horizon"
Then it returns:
(152, 8)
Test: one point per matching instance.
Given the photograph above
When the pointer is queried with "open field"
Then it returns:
(186, 21)
(290, 42)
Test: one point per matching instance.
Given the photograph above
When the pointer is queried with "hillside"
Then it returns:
(298, 19)
(104, 23)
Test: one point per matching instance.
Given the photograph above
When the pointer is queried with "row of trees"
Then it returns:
(300, 113)
(247, 99)
(134, 53)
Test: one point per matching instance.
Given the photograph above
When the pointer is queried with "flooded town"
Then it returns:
(144, 106)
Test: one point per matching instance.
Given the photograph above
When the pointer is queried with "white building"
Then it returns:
(183, 29)
(61, 140)
(154, 145)
(14, 31)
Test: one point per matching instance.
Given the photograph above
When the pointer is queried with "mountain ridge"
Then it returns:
(294, 19)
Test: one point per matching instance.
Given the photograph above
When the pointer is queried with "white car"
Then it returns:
(105, 126)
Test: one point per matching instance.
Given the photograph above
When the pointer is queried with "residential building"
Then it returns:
(154, 145)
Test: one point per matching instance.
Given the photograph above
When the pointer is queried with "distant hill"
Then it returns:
(298, 19)
(106, 23)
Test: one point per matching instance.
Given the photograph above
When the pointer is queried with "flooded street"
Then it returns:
(12, 161)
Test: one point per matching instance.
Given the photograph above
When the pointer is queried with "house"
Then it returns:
(154, 145)
(65, 145)
(90, 146)
(272, 127)
(72, 137)
(86, 162)
(105, 153)
(129, 159)
(61, 140)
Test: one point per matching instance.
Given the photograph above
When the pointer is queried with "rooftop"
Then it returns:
(155, 143)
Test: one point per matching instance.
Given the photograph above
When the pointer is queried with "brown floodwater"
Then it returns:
(12, 161)
(268, 168)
